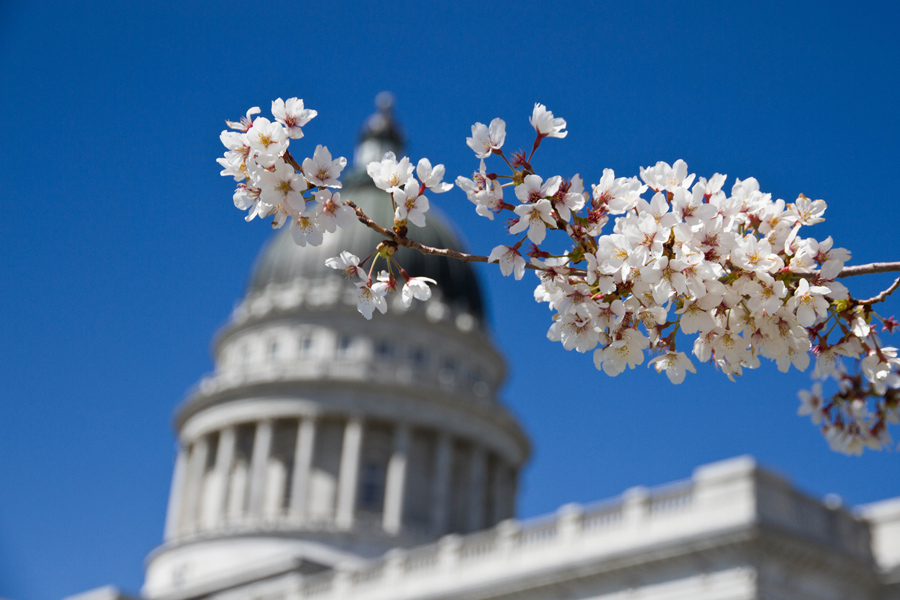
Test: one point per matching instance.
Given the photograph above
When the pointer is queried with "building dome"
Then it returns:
(322, 438)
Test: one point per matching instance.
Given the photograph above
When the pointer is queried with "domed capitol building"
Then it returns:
(330, 458)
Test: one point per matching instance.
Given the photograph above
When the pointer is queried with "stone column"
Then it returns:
(303, 460)
(262, 446)
(222, 469)
(348, 477)
(498, 488)
(440, 491)
(512, 490)
(176, 496)
(636, 508)
(196, 466)
(477, 469)
(395, 482)
(569, 523)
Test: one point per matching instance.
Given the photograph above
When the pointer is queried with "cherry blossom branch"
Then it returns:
(870, 269)
(883, 295)
(853, 271)
(745, 283)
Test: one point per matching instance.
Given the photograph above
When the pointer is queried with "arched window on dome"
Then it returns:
(305, 342)
(419, 357)
(449, 372)
(385, 350)
(245, 352)
(347, 345)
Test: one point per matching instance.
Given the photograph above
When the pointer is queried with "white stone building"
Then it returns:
(328, 457)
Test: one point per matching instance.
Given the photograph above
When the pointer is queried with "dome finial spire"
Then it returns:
(384, 102)
(380, 133)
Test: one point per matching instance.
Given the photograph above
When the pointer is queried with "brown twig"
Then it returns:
(405, 241)
(869, 269)
(883, 295)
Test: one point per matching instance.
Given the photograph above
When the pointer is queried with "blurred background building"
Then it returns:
(332, 457)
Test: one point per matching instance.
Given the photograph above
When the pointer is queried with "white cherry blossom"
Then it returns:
(534, 188)
(389, 174)
(306, 230)
(431, 176)
(348, 263)
(664, 177)
(809, 302)
(486, 139)
(832, 259)
(881, 369)
(697, 316)
(410, 205)
(545, 124)
(321, 170)
(690, 207)
(510, 260)
(609, 314)
(755, 255)
(569, 197)
(247, 197)
(627, 350)
(416, 287)
(484, 193)
(292, 115)
(282, 185)
(369, 299)
(385, 283)
(235, 159)
(267, 140)
(806, 211)
(811, 403)
(576, 329)
(245, 123)
(534, 217)
(331, 212)
(674, 364)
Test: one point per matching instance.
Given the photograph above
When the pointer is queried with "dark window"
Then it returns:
(371, 496)
(305, 343)
(419, 357)
(384, 350)
(344, 343)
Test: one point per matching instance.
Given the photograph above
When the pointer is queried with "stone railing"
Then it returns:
(720, 498)
(787, 508)
(371, 370)
(286, 523)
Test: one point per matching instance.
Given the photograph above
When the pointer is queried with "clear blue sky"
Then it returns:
(121, 254)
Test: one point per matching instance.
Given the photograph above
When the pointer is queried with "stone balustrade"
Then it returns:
(719, 498)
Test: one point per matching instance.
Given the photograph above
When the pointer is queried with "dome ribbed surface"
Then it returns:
(281, 261)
